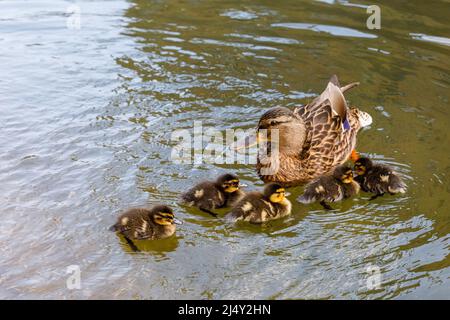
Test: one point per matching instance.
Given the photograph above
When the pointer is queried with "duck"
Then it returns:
(224, 192)
(377, 178)
(297, 146)
(259, 207)
(153, 223)
(331, 188)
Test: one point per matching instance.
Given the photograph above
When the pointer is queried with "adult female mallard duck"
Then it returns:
(302, 144)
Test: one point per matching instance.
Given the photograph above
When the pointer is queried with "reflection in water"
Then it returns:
(96, 138)
(157, 247)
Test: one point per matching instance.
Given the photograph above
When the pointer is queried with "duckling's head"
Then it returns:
(280, 125)
(228, 183)
(362, 165)
(344, 174)
(275, 192)
(163, 216)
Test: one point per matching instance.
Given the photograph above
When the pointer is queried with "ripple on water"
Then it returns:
(86, 133)
(333, 30)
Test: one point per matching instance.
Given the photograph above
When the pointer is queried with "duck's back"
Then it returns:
(327, 143)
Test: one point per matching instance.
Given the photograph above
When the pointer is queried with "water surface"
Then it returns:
(86, 117)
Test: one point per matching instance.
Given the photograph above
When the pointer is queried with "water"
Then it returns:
(86, 117)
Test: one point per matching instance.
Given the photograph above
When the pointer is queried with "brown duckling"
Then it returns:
(378, 179)
(257, 207)
(210, 195)
(146, 224)
(331, 188)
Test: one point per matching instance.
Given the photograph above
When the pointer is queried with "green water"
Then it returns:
(86, 117)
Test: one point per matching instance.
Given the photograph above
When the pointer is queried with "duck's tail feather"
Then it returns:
(349, 86)
(334, 80)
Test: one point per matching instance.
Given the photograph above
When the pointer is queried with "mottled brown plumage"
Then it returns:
(378, 179)
(313, 139)
(210, 195)
(146, 224)
(331, 188)
(257, 207)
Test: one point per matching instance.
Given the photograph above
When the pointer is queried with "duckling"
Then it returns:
(335, 187)
(209, 195)
(377, 178)
(257, 207)
(146, 224)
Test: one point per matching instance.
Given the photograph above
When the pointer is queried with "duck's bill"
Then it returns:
(176, 221)
(245, 142)
(287, 194)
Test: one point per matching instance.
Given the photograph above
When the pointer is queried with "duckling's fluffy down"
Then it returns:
(137, 224)
(255, 208)
(207, 195)
(327, 188)
(381, 179)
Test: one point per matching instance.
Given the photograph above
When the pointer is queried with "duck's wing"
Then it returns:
(323, 134)
(336, 100)
(328, 131)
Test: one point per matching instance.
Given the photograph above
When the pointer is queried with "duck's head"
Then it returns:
(280, 126)
(344, 174)
(228, 183)
(362, 165)
(275, 192)
(163, 215)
